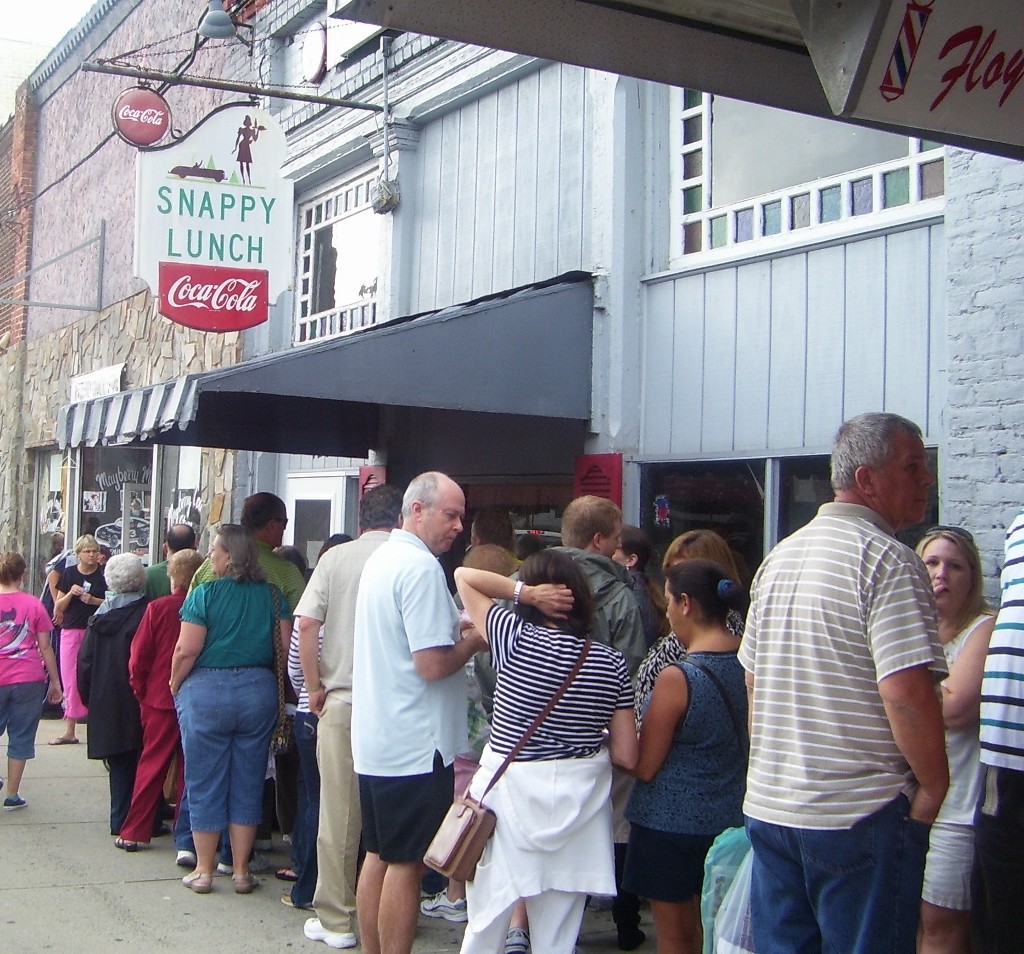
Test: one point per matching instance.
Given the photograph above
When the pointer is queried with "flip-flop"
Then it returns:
(286, 874)
(60, 740)
(130, 845)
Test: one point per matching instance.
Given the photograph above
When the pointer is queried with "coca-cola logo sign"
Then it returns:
(211, 298)
(141, 116)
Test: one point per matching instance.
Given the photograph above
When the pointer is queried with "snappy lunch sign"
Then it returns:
(213, 223)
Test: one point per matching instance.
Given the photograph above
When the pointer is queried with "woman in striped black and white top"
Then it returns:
(553, 840)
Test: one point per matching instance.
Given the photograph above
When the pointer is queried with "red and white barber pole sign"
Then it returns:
(213, 223)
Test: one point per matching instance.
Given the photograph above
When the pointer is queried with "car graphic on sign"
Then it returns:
(198, 171)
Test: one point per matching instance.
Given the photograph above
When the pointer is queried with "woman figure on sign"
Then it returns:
(965, 627)
(26, 660)
(80, 592)
(693, 755)
(248, 133)
(225, 689)
(553, 841)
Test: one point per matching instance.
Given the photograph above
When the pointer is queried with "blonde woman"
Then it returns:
(80, 592)
(965, 627)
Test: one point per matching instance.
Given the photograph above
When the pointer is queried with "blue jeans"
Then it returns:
(21, 706)
(850, 891)
(307, 812)
(226, 718)
(183, 840)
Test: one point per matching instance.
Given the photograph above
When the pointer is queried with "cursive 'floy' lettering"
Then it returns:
(977, 66)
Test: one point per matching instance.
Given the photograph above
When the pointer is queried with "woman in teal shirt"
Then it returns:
(225, 690)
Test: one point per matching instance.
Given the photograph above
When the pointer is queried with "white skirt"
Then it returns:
(553, 833)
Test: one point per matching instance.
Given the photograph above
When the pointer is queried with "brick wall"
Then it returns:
(984, 461)
(17, 179)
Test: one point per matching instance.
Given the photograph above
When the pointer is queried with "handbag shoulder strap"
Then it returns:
(544, 713)
(280, 663)
(737, 723)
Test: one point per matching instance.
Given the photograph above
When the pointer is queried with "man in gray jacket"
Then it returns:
(591, 533)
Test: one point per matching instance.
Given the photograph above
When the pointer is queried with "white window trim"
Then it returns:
(350, 316)
(914, 211)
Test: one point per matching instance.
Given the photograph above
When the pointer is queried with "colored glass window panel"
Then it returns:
(896, 187)
(831, 204)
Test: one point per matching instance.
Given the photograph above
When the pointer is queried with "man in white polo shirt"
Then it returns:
(408, 707)
(847, 757)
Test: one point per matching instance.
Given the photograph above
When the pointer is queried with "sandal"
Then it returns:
(62, 740)
(125, 845)
(201, 882)
(286, 874)
(244, 884)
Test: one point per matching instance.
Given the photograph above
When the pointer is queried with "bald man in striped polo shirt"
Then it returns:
(847, 758)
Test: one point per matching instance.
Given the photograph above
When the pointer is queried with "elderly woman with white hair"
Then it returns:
(115, 730)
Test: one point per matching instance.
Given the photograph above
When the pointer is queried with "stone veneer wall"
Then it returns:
(984, 421)
(153, 350)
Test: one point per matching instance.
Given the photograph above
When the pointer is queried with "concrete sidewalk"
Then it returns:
(65, 887)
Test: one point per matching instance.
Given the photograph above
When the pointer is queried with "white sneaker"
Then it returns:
(441, 906)
(315, 931)
(185, 859)
(517, 941)
(257, 864)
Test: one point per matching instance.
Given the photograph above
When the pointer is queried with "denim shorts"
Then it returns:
(226, 718)
(21, 706)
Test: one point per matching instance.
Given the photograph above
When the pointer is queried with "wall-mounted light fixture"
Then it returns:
(217, 24)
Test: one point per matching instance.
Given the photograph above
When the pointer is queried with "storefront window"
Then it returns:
(729, 498)
(805, 483)
(724, 496)
(179, 489)
(116, 498)
(51, 526)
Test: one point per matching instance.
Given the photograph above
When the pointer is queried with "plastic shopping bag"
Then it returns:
(733, 934)
(720, 867)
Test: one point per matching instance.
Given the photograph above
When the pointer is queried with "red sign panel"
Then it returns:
(211, 298)
(141, 116)
(600, 475)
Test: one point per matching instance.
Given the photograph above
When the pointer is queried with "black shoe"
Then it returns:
(160, 830)
(631, 938)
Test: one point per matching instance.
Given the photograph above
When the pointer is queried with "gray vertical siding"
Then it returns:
(505, 188)
(772, 355)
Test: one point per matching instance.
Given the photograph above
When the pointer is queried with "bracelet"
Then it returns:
(517, 593)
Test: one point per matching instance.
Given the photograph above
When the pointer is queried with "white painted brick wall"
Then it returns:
(983, 466)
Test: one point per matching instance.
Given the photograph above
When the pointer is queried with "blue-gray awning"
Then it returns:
(523, 352)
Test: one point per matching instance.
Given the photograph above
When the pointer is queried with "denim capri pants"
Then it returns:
(226, 718)
(21, 705)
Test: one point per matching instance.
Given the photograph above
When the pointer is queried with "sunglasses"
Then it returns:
(956, 531)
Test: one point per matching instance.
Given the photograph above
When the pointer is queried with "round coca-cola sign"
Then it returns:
(141, 116)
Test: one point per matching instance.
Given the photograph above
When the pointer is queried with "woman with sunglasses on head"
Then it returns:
(693, 755)
(965, 626)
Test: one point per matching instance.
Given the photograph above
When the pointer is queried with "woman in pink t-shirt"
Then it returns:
(26, 659)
